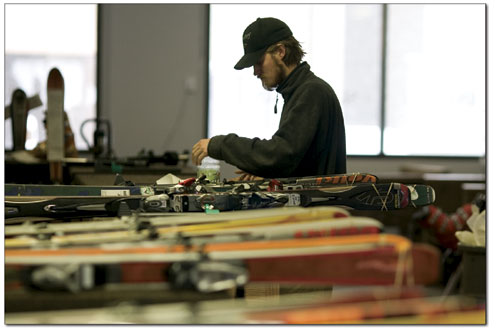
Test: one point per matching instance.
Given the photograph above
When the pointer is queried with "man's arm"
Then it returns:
(279, 156)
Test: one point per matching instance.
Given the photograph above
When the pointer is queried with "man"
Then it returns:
(310, 139)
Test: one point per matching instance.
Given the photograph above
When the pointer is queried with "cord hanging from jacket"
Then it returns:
(276, 105)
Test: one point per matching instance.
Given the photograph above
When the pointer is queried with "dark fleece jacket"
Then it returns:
(310, 139)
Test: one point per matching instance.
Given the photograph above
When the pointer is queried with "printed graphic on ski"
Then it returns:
(83, 206)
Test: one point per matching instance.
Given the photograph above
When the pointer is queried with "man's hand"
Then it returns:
(244, 176)
(199, 151)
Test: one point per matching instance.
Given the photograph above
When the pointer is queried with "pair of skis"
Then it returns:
(261, 224)
(353, 191)
(173, 184)
(364, 259)
(57, 137)
(355, 259)
(323, 245)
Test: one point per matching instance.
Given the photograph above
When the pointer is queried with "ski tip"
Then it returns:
(18, 93)
(55, 80)
(422, 195)
(19, 99)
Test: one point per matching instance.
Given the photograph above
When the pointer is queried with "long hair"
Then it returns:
(294, 52)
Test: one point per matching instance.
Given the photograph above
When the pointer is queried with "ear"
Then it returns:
(281, 51)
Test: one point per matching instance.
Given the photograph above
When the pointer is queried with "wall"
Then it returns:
(153, 83)
(153, 75)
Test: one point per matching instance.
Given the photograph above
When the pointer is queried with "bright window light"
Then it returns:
(435, 99)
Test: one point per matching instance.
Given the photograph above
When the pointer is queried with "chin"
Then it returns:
(268, 87)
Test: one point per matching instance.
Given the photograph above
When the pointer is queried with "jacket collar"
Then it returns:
(293, 80)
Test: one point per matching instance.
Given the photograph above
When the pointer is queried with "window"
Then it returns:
(435, 101)
(345, 45)
(39, 37)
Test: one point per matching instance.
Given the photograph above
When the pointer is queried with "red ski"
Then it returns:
(366, 259)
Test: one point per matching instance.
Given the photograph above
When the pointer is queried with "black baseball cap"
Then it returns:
(258, 36)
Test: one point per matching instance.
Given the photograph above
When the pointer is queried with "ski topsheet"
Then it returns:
(83, 206)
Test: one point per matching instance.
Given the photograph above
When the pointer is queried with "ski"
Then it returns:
(55, 124)
(175, 199)
(299, 182)
(83, 206)
(352, 191)
(215, 266)
(291, 183)
(75, 190)
(361, 196)
(32, 102)
(249, 217)
(18, 110)
(19, 113)
(234, 230)
(189, 185)
(287, 245)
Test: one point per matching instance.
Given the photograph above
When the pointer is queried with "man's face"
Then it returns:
(270, 70)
